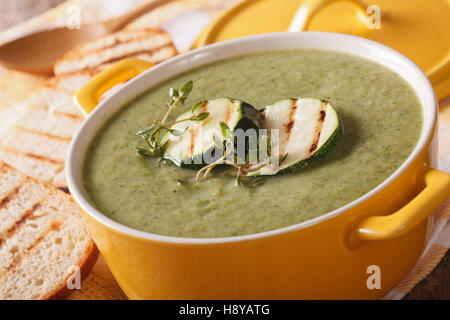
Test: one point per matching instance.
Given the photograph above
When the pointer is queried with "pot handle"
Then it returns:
(309, 8)
(437, 189)
(87, 97)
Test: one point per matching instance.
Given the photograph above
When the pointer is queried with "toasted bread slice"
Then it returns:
(56, 101)
(154, 45)
(43, 239)
(70, 83)
(39, 138)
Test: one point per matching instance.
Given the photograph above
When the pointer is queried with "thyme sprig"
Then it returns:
(241, 169)
(152, 134)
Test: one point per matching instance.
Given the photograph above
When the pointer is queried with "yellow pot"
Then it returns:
(340, 255)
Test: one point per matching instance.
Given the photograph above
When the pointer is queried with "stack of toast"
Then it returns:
(42, 235)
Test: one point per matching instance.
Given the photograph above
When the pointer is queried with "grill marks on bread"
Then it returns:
(42, 236)
(4, 201)
(148, 44)
(18, 223)
(38, 142)
(38, 223)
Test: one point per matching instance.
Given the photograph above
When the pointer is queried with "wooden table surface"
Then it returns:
(435, 286)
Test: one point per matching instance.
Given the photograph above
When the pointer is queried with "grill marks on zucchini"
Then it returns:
(196, 147)
(289, 125)
(308, 128)
(293, 117)
(201, 108)
(304, 130)
(319, 126)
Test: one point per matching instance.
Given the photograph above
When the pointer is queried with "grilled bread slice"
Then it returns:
(71, 82)
(148, 44)
(43, 239)
(39, 139)
(38, 143)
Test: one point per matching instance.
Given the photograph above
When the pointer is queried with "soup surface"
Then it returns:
(382, 120)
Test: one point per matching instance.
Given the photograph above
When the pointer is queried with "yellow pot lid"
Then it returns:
(417, 28)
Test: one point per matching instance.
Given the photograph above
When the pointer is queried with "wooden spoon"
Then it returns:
(38, 52)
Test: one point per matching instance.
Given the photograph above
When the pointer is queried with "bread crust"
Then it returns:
(86, 266)
(51, 101)
(86, 260)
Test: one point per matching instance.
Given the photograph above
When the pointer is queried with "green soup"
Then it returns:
(381, 114)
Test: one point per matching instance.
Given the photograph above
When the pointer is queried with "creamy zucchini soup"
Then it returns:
(345, 125)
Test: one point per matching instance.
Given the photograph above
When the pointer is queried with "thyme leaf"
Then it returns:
(229, 158)
(195, 106)
(177, 133)
(151, 135)
(200, 117)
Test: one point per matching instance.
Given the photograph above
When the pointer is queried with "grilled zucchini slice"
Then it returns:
(196, 144)
(309, 129)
